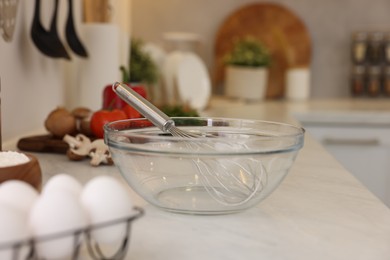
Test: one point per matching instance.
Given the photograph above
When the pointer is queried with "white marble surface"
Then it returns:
(320, 211)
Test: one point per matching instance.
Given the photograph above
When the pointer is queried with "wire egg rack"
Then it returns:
(93, 248)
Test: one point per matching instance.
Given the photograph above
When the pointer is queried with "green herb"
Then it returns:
(179, 111)
(141, 67)
(248, 52)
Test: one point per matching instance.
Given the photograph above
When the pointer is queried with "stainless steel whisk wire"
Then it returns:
(259, 182)
(226, 194)
(259, 177)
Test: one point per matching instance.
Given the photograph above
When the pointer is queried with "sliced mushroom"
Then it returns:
(99, 153)
(79, 146)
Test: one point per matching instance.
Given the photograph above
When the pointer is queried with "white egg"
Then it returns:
(106, 199)
(13, 228)
(18, 194)
(54, 214)
(63, 182)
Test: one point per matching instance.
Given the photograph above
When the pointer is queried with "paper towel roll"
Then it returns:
(298, 84)
(102, 42)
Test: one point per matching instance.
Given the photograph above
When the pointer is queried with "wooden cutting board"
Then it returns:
(283, 32)
(45, 143)
(42, 144)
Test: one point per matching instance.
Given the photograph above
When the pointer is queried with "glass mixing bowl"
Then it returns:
(235, 165)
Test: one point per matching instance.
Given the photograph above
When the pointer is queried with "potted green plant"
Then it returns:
(246, 72)
(140, 73)
(141, 68)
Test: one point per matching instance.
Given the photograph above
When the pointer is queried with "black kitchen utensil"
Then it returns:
(71, 34)
(47, 41)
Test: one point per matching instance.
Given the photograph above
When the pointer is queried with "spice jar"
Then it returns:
(386, 81)
(387, 48)
(374, 81)
(359, 47)
(375, 49)
(358, 80)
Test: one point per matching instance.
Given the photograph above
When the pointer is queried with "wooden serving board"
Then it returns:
(284, 34)
(43, 144)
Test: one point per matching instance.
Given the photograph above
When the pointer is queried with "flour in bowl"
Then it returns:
(10, 158)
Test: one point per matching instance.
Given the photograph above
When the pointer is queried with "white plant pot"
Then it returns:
(246, 82)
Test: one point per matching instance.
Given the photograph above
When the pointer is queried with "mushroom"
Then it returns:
(81, 112)
(60, 122)
(79, 146)
(83, 118)
(99, 153)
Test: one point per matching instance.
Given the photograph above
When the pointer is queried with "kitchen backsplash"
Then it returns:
(330, 24)
(32, 84)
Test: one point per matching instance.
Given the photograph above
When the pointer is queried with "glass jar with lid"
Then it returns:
(375, 51)
(386, 81)
(358, 80)
(359, 47)
(374, 80)
(387, 49)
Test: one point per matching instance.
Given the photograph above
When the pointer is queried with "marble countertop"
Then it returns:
(320, 211)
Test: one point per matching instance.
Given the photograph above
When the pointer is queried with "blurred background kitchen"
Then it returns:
(32, 83)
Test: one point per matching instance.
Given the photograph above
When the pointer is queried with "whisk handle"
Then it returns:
(147, 109)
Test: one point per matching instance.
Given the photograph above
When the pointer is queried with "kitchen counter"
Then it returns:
(320, 211)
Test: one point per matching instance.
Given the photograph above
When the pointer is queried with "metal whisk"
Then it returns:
(218, 176)
(150, 111)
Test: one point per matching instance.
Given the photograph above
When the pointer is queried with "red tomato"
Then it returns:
(131, 112)
(102, 117)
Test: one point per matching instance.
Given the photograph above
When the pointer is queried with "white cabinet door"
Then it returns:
(363, 150)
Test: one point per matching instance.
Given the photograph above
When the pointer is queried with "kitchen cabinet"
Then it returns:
(360, 141)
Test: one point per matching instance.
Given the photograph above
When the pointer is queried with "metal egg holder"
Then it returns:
(94, 249)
